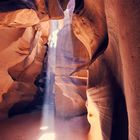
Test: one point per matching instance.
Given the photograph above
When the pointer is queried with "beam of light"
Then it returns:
(47, 136)
(48, 114)
(43, 128)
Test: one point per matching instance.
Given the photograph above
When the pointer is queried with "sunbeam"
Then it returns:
(48, 116)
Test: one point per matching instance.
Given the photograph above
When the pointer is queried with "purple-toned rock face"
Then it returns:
(52, 7)
(11, 5)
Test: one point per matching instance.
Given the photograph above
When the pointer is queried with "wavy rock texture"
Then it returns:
(19, 18)
(26, 53)
(22, 52)
(69, 56)
(92, 21)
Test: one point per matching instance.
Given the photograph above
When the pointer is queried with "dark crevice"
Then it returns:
(12, 5)
(120, 116)
(79, 5)
(21, 107)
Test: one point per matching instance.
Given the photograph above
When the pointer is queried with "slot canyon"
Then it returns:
(69, 70)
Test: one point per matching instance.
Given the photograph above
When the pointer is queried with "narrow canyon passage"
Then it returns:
(69, 70)
(69, 122)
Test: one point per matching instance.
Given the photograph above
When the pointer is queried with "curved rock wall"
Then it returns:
(117, 63)
(22, 37)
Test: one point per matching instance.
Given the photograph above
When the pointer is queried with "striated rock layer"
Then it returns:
(110, 31)
(22, 37)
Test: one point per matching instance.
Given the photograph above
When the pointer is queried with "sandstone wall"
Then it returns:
(22, 39)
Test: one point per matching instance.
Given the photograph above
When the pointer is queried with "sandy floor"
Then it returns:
(27, 127)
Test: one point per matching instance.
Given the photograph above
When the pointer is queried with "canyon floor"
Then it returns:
(27, 127)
